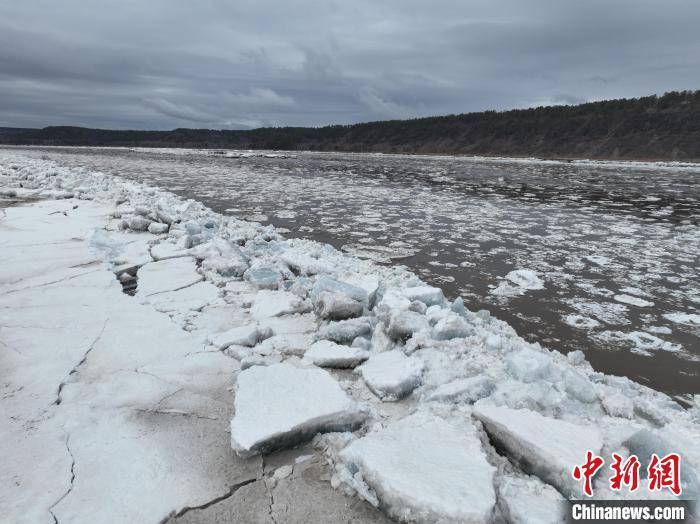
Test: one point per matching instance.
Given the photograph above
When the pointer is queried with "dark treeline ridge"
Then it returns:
(654, 127)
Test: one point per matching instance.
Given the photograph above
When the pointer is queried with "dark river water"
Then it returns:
(605, 256)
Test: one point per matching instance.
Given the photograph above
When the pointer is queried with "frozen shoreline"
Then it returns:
(215, 295)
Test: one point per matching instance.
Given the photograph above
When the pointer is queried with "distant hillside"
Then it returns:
(663, 128)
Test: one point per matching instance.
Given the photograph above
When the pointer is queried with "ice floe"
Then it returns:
(392, 375)
(422, 469)
(281, 405)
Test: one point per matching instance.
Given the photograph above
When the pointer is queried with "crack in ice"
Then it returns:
(232, 490)
(72, 481)
(82, 361)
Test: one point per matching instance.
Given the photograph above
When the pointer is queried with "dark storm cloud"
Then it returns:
(235, 64)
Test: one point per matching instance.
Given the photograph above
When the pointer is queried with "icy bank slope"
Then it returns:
(434, 373)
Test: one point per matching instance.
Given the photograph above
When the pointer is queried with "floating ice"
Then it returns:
(518, 282)
(633, 301)
(691, 319)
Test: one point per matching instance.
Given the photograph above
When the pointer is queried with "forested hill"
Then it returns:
(663, 128)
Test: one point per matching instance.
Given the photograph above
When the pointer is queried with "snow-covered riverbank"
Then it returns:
(118, 405)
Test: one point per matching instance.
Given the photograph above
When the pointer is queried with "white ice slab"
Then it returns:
(424, 469)
(545, 447)
(281, 405)
(241, 336)
(167, 275)
(527, 500)
(328, 354)
(191, 298)
(392, 375)
(276, 303)
(430, 296)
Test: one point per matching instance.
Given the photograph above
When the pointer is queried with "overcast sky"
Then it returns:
(162, 64)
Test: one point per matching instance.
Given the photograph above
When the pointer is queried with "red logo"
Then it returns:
(662, 472)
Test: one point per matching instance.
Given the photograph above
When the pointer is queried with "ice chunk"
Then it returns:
(393, 299)
(518, 282)
(335, 286)
(287, 344)
(418, 307)
(576, 358)
(545, 447)
(529, 365)
(328, 354)
(424, 469)
(276, 303)
(458, 307)
(451, 326)
(525, 279)
(157, 228)
(380, 341)
(305, 264)
(392, 375)
(579, 387)
(691, 319)
(527, 500)
(226, 265)
(362, 343)
(281, 405)
(248, 361)
(336, 306)
(222, 256)
(167, 275)
(404, 323)
(263, 277)
(345, 331)
(367, 282)
(618, 405)
(430, 296)
(464, 390)
(634, 301)
(240, 336)
(645, 442)
(139, 224)
(166, 250)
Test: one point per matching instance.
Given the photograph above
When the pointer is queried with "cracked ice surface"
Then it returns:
(91, 376)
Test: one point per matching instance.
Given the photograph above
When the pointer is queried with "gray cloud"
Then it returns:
(174, 63)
